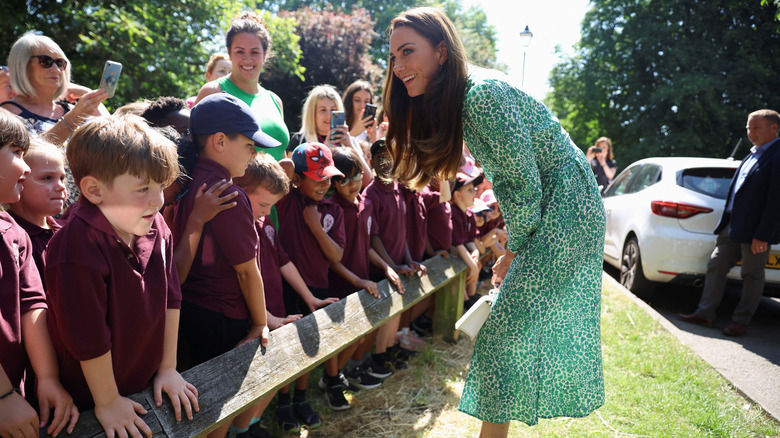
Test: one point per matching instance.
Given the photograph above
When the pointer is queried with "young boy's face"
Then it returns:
(12, 173)
(44, 188)
(382, 164)
(311, 188)
(262, 200)
(130, 205)
(238, 153)
(350, 187)
(467, 193)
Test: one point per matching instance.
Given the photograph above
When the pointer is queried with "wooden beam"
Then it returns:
(230, 383)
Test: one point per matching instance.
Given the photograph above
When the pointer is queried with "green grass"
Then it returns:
(655, 387)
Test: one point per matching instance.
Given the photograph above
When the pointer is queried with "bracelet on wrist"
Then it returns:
(13, 390)
(70, 128)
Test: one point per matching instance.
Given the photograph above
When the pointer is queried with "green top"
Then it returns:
(266, 110)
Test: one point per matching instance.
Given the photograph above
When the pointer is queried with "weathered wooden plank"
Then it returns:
(230, 383)
(449, 307)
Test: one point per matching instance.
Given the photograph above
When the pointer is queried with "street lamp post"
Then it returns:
(525, 40)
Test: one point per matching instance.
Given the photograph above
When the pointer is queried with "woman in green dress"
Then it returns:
(539, 353)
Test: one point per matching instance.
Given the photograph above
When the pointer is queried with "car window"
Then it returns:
(648, 175)
(619, 186)
(711, 181)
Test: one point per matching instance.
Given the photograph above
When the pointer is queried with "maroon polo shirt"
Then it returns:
(464, 226)
(416, 223)
(390, 218)
(229, 239)
(357, 228)
(271, 257)
(20, 292)
(40, 238)
(439, 221)
(300, 243)
(106, 296)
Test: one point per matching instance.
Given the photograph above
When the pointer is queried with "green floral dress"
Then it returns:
(539, 353)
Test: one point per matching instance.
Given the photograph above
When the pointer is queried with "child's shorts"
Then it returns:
(208, 333)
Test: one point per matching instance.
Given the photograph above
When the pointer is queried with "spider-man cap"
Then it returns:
(315, 161)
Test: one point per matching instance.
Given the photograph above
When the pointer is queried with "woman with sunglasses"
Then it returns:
(40, 74)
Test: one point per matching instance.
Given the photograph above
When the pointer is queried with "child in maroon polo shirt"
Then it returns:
(223, 298)
(43, 197)
(464, 229)
(388, 239)
(352, 274)
(23, 326)
(266, 183)
(311, 230)
(110, 270)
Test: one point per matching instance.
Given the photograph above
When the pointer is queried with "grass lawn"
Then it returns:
(655, 387)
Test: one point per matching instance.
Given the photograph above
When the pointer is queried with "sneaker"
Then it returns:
(286, 418)
(371, 367)
(423, 325)
(389, 361)
(307, 416)
(400, 353)
(347, 385)
(362, 379)
(334, 393)
(256, 430)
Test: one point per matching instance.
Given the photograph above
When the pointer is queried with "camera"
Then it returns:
(597, 150)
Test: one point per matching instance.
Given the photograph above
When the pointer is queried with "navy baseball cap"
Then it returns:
(222, 112)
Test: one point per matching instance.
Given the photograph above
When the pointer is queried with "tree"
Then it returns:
(668, 77)
(334, 46)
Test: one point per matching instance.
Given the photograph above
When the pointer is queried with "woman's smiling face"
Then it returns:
(415, 60)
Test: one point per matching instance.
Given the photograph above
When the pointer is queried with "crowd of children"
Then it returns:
(171, 256)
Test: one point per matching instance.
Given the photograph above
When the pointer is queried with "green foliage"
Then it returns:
(668, 77)
(162, 45)
(334, 46)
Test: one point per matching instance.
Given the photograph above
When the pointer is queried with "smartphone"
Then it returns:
(370, 111)
(110, 77)
(337, 118)
(597, 150)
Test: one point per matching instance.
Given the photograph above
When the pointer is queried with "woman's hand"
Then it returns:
(87, 106)
(338, 137)
(180, 392)
(501, 267)
(51, 395)
(381, 130)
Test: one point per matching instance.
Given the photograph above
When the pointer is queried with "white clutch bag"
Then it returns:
(471, 321)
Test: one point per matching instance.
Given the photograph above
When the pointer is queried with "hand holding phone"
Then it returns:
(370, 111)
(337, 118)
(110, 78)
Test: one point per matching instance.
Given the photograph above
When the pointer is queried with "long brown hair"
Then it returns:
(425, 136)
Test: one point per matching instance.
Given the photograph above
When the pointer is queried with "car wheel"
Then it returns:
(631, 275)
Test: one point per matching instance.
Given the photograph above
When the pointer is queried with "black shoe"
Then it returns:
(400, 353)
(286, 418)
(334, 392)
(389, 361)
(347, 386)
(307, 416)
(362, 379)
(423, 325)
(375, 369)
(256, 430)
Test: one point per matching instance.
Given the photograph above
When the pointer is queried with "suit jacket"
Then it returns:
(756, 210)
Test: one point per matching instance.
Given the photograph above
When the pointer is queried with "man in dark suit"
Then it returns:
(749, 226)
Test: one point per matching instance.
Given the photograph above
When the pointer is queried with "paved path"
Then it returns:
(751, 362)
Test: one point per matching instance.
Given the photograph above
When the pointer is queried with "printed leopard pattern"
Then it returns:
(539, 353)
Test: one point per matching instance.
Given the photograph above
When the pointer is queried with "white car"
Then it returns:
(661, 214)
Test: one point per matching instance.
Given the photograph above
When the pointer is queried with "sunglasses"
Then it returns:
(4, 68)
(346, 181)
(47, 61)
